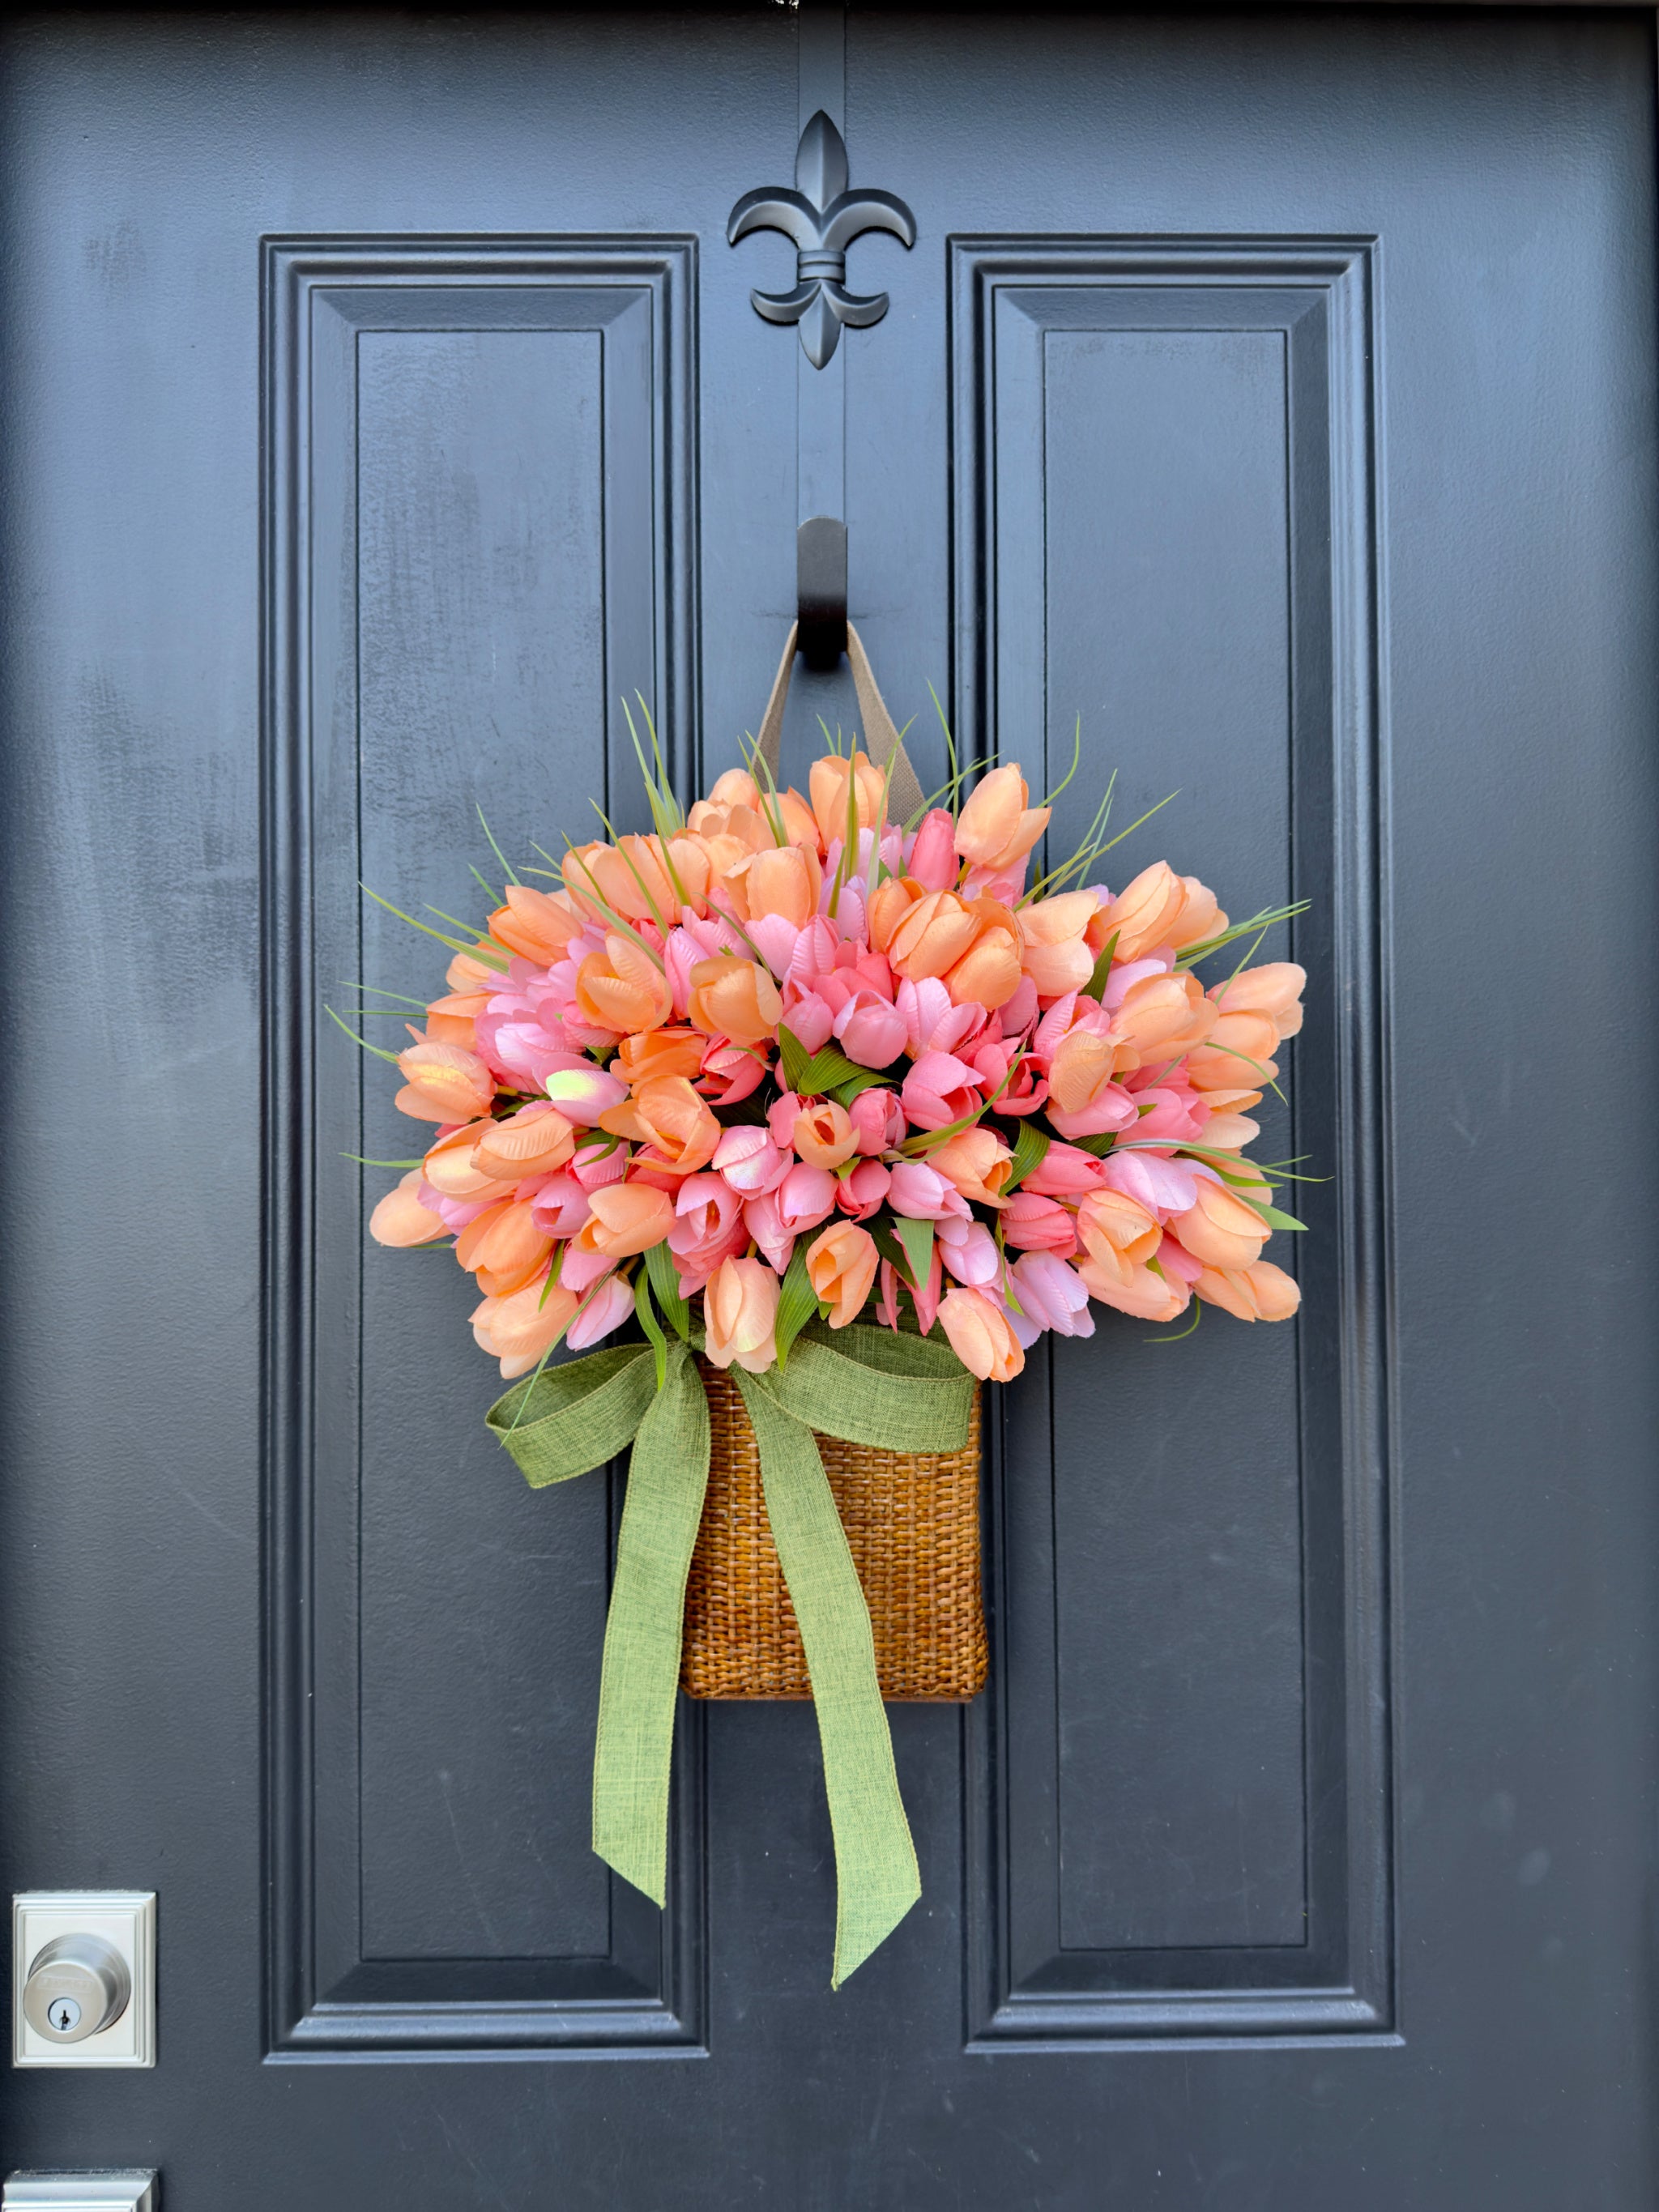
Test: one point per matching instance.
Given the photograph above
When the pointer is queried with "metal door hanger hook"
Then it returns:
(821, 590)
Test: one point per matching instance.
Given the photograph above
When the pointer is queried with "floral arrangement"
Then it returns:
(785, 1059)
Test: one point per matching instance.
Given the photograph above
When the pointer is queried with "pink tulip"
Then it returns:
(582, 1266)
(583, 1092)
(1032, 1222)
(922, 1194)
(1177, 1263)
(1065, 1172)
(809, 1018)
(1052, 1296)
(862, 1190)
(878, 1119)
(560, 1207)
(938, 1089)
(1163, 1186)
(776, 1243)
(608, 1308)
(1171, 1113)
(730, 1071)
(805, 1197)
(870, 1030)
(926, 1294)
(932, 1022)
(708, 1227)
(933, 859)
(750, 1162)
(969, 1252)
(780, 1118)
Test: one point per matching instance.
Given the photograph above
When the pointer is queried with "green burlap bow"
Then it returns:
(865, 1385)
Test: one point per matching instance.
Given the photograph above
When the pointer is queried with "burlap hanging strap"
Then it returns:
(881, 737)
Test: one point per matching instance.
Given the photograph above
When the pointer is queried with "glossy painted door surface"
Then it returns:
(1277, 393)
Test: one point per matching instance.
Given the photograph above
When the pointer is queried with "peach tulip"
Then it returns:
(1199, 916)
(1239, 1048)
(400, 1218)
(976, 1163)
(1274, 990)
(536, 925)
(1054, 948)
(998, 826)
(1145, 1293)
(824, 1135)
(623, 988)
(1220, 1229)
(980, 1336)
(740, 1314)
(828, 785)
(735, 999)
(785, 881)
(521, 1329)
(1146, 912)
(1258, 1292)
(1159, 1018)
(892, 900)
(667, 1115)
(449, 1167)
(454, 1019)
(531, 1142)
(443, 1083)
(503, 1248)
(735, 787)
(1084, 1100)
(628, 880)
(988, 973)
(1118, 1235)
(799, 825)
(933, 936)
(656, 1053)
(626, 1218)
(689, 863)
(840, 1266)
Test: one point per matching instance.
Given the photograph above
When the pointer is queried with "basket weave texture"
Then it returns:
(912, 1523)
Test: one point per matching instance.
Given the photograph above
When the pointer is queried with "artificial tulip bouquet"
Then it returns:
(836, 1094)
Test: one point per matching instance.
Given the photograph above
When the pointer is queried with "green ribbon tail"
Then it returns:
(639, 1687)
(876, 1877)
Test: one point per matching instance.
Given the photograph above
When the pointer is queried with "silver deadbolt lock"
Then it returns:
(78, 1986)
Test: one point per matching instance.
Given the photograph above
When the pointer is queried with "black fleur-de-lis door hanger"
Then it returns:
(823, 217)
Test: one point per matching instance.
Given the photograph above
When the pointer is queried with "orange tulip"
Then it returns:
(828, 785)
(1199, 916)
(454, 1019)
(531, 1142)
(623, 988)
(521, 1329)
(824, 1135)
(690, 863)
(1220, 1230)
(1117, 1234)
(976, 1163)
(667, 1115)
(998, 827)
(740, 1313)
(1258, 1292)
(443, 1083)
(979, 1336)
(1145, 1293)
(736, 788)
(626, 1218)
(933, 936)
(735, 999)
(656, 1053)
(894, 898)
(537, 925)
(1054, 947)
(840, 1266)
(785, 881)
(1161, 1017)
(448, 1166)
(1274, 990)
(400, 1218)
(503, 1248)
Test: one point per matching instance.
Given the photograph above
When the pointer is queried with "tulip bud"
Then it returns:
(1258, 1292)
(400, 1218)
(623, 988)
(520, 1330)
(740, 1313)
(533, 1141)
(627, 1217)
(1220, 1229)
(840, 1266)
(997, 828)
(536, 925)
(443, 1083)
(735, 999)
(980, 1336)
(932, 861)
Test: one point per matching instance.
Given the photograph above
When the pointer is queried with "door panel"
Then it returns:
(1275, 391)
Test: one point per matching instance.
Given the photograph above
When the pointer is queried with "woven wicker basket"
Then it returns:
(912, 1522)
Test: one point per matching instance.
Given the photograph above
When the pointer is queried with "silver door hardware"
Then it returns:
(84, 1984)
(122, 2192)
